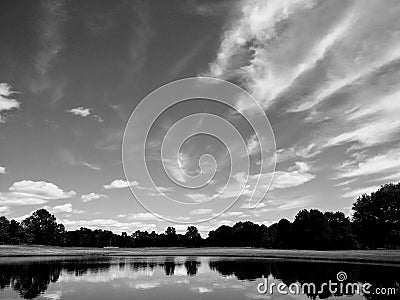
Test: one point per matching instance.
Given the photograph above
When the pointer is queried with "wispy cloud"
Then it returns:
(358, 192)
(330, 85)
(69, 157)
(201, 211)
(51, 39)
(63, 209)
(91, 166)
(4, 209)
(378, 164)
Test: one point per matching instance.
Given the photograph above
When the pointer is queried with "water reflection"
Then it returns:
(290, 272)
(176, 277)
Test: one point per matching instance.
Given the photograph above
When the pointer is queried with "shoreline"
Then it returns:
(352, 256)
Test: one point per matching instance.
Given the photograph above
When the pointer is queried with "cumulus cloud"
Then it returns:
(65, 208)
(28, 192)
(120, 184)
(3, 170)
(108, 224)
(93, 196)
(85, 112)
(81, 111)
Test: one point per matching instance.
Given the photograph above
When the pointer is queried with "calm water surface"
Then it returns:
(178, 278)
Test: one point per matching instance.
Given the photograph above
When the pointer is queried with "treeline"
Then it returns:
(375, 224)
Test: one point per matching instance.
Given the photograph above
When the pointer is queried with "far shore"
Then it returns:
(362, 256)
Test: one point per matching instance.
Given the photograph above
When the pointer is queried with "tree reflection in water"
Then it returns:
(312, 272)
(32, 278)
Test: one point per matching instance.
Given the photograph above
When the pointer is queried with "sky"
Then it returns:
(326, 74)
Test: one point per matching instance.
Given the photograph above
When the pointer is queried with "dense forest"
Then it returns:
(375, 223)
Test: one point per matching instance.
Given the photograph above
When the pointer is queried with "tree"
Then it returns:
(341, 231)
(284, 234)
(311, 230)
(192, 237)
(222, 236)
(393, 239)
(376, 215)
(171, 237)
(41, 228)
(17, 234)
(4, 230)
(247, 234)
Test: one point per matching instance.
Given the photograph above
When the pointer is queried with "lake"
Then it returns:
(189, 278)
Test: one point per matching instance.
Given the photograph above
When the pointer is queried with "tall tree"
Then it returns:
(171, 237)
(192, 237)
(341, 231)
(41, 228)
(376, 215)
(284, 237)
(17, 234)
(311, 230)
(4, 230)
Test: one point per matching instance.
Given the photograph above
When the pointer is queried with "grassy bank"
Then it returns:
(373, 256)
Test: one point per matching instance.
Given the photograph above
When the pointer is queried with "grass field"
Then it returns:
(371, 256)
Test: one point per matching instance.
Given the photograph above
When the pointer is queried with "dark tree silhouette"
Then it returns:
(377, 215)
(41, 228)
(4, 230)
(311, 230)
(284, 234)
(341, 232)
(171, 238)
(192, 237)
